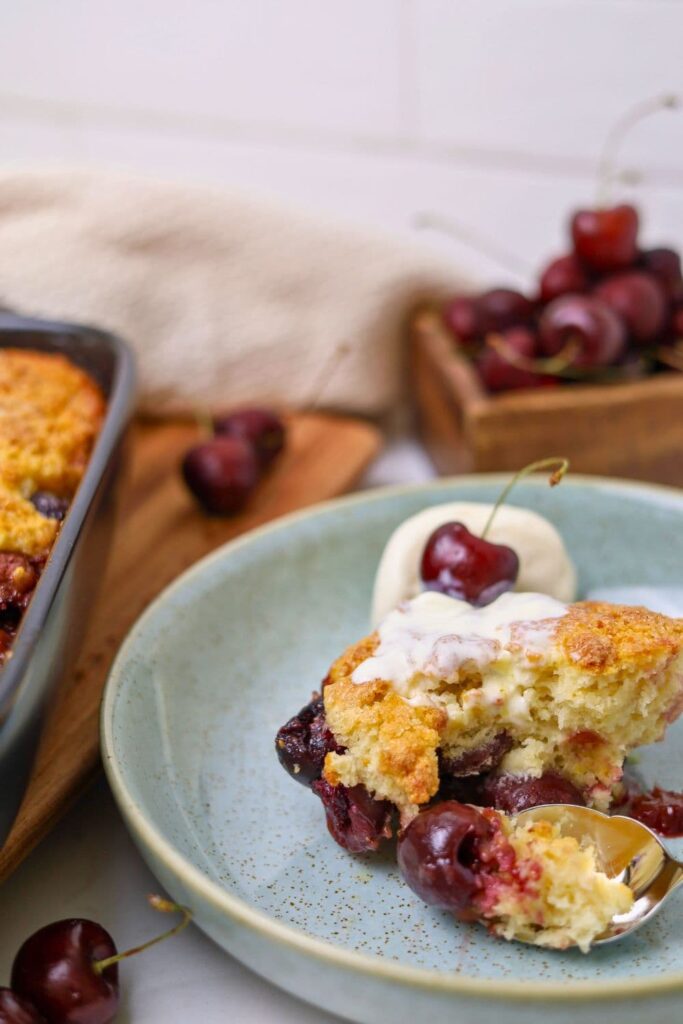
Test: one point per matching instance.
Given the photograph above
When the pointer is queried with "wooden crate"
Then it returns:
(632, 429)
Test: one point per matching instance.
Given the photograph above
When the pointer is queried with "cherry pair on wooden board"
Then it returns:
(223, 471)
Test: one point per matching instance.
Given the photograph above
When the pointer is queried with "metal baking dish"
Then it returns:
(52, 626)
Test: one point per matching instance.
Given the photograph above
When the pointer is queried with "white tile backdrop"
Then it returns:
(490, 111)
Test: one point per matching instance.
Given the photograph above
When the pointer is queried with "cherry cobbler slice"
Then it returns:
(523, 702)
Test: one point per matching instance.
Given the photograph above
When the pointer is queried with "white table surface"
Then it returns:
(88, 867)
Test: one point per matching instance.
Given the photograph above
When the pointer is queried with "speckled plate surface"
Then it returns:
(235, 647)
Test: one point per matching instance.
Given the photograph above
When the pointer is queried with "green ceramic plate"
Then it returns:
(231, 650)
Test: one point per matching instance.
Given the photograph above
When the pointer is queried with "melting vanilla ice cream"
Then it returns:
(434, 636)
(544, 565)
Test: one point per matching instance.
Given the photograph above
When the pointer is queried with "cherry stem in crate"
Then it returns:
(671, 355)
(327, 371)
(204, 421)
(561, 365)
(607, 171)
(475, 240)
(561, 466)
(165, 907)
(554, 366)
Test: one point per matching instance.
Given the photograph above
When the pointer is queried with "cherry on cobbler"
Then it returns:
(457, 563)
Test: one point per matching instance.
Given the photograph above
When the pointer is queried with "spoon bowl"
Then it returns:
(627, 851)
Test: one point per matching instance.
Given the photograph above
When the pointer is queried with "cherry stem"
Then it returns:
(607, 165)
(204, 421)
(475, 240)
(561, 466)
(327, 371)
(165, 907)
(671, 355)
(561, 365)
(552, 366)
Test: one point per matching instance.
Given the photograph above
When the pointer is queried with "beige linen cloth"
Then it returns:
(225, 298)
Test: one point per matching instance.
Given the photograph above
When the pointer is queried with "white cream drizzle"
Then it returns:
(433, 636)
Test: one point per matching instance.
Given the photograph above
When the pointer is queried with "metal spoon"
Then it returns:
(626, 850)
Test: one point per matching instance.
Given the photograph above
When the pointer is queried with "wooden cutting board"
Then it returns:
(160, 532)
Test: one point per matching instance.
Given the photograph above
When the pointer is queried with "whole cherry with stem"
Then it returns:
(507, 361)
(606, 238)
(588, 322)
(458, 563)
(262, 428)
(68, 970)
(222, 470)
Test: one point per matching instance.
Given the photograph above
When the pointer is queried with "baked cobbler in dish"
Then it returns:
(50, 415)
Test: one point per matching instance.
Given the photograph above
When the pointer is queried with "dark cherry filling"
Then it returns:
(6, 638)
(50, 505)
(18, 579)
(358, 822)
(19, 574)
(443, 852)
(509, 793)
(661, 810)
(303, 742)
(355, 820)
(515, 793)
(474, 762)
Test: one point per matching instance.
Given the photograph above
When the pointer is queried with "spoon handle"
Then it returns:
(676, 874)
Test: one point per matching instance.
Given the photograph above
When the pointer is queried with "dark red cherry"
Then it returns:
(439, 853)
(262, 428)
(221, 473)
(606, 239)
(638, 298)
(55, 970)
(514, 793)
(14, 1009)
(665, 265)
(500, 308)
(498, 373)
(303, 743)
(587, 320)
(355, 819)
(457, 563)
(564, 275)
(462, 316)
